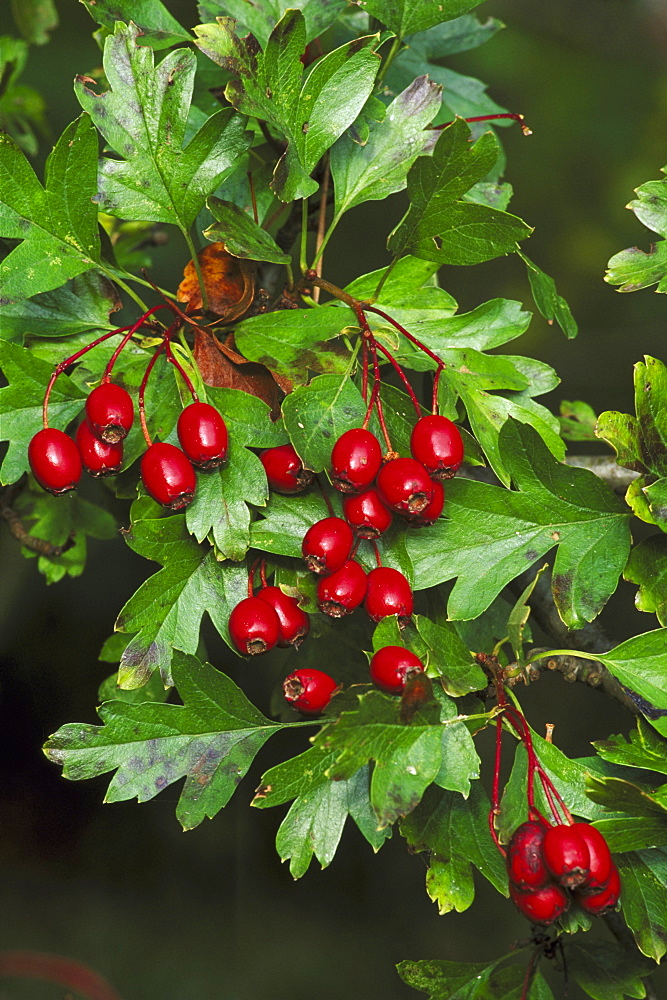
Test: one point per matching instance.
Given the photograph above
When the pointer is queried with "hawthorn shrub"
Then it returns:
(359, 491)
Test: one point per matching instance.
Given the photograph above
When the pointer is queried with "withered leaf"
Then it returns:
(229, 281)
(223, 367)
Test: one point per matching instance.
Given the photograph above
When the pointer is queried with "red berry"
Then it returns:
(54, 460)
(309, 690)
(110, 411)
(254, 626)
(542, 906)
(98, 457)
(327, 545)
(388, 593)
(600, 861)
(355, 460)
(525, 861)
(436, 442)
(599, 902)
(284, 469)
(391, 666)
(405, 485)
(168, 475)
(566, 855)
(367, 514)
(343, 591)
(294, 622)
(430, 514)
(203, 435)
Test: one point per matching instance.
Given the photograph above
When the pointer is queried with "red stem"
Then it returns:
(401, 329)
(251, 575)
(488, 118)
(376, 550)
(495, 795)
(364, 369)
(325, 497)
(262, 572)
(65, 972)
(378, 401)
(142, 390)
(436, 383)
(132, 330)
(171, 358)
(401, 374)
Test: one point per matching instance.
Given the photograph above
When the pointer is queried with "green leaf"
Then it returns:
(143, 118)
(83, 305)
(460, 35)
(466, 981)
(440, 227)
(656, 494)
(619, 795)
(647, 567)
(316, 415)
(408, 16)
(35, 19)
(211, 740)
(448, 658)
(639, 664)
(21, 405)
(643, 905)
(241, 234)
(57, 223)
(157, 27)
(633, 269)
(312, 114)
(644, 749)
(286, 520)
(633, 833)
(502, 532)
(577, 421)
(606, 972)
(518, 617)
(380, 167)
(553, 306)
(261, 18)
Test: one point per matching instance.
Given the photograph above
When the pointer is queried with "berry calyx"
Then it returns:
(168, 476)
(542, 906)
(203, 435)
(294, 621)
(566, 855)
(110, 412)
(430, 514)
(391, 666)
(525, 863)
(597, 903)
(309, 690)
(600, 861)
(367, 514)
(356, 458)
(388, 593)
(254, 626)
(284, 469)
(343, 591)
(405, 485)
(55, 461)
(327, 545)
(98, 458)
(436, 442)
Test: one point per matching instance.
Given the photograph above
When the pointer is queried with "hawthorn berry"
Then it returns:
(110, 412)
(254, 626)
(98, 457)
(327, 545)
(597, 903)
(600, 861)
(342, 591)
(294, 622)
(168, 476)
(430, 514)
(566, 855)
(391, 666)
(367, 514)
(309, 690)
(525, 862)
(388, 593)
(405, 485)
(203, 435)
(356, 458)
(436, 442)
(542, 906)
(284, 469)
(55, 460)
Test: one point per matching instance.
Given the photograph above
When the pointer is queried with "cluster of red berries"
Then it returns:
(547, 863)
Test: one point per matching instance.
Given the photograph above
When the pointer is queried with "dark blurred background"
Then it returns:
(213, 915)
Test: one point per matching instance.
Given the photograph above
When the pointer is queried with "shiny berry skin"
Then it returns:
(566, 855)
(254, 626)
(55, 461)
(294, 622)
(430, 514)
(327, 545)
(284, 469)
(98, 457)
(388, 593)
(203, 435)
(391, 666)
(600, 862)
(436, 442)
(367, 514)
(343, 591)
(110, 412)
(405, 485)
(525, 863)
(597, 903)
(309, 690)
(168, 476)
(542, 906)
(356, 458)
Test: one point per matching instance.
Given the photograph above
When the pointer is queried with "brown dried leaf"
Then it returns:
(229, 281)
(222, 366)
